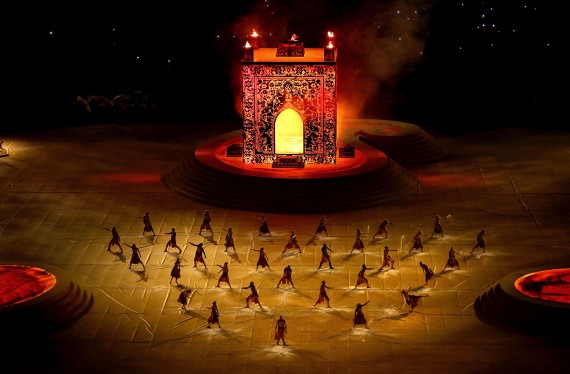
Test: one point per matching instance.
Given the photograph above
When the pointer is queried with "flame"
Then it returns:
(330, 34)
(330, 45)
(254, 33)
(247, 45)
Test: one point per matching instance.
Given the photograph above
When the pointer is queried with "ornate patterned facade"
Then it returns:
(308, 88)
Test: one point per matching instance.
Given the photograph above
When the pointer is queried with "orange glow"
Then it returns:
(553, 285)
(330, 45)
(289, 133)
(330, 34)
(22, 283)
(247, 45)
(254, 34)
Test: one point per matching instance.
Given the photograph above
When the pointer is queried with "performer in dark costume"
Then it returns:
(214, 315)
(322, 226)
(323, 295)
(382, 229)
(147, 225)
(175, 272)
(287, 277)
(437, 226)
(263, 260)
(451, 260)
(115, 239)
(480, 241)
(225, 274)
(183, 297)
(172, 241)
(388, 260)
(206, 222)
(358, 243)
(136, 257)
(359, 315)
(229, 239)
(264, 226)
(362, 277)
(292, 243)
(280, 330)
(417, 241)
(429, 273)
(254, 297)
(200, 254)
(411, 300)
(325, 256)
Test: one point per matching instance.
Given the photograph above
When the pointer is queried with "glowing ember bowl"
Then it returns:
(22, 283)
(553, 285)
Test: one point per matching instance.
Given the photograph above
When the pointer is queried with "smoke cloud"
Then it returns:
(378, 42)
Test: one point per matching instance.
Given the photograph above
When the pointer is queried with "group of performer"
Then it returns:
(287, 279)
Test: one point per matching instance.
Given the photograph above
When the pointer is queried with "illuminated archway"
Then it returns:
(289, 133)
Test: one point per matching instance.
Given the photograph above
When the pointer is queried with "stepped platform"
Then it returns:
(406, 143)
(368, 179)
(63, 303)
(504, 304)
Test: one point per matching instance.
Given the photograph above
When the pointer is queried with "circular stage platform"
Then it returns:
(368, 179)
(38, 298)
(526, 299)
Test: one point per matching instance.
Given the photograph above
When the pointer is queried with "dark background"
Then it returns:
(453, 75)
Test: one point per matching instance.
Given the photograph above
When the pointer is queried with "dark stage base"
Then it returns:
(369, 179)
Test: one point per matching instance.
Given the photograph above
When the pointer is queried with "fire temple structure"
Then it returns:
(289, 103)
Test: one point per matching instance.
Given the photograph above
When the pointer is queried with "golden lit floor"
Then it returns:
(61, 188)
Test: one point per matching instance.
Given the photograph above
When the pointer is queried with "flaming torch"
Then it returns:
(254, 40)
(247, 52)
(329, 51)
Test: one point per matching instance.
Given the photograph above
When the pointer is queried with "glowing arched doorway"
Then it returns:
(289, 133)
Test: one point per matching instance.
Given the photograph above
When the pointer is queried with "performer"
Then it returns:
(206, 222)
(480, 241)
(262, 261)
(225, 276)
(292, 243)
(388, 260)
(429, 273)
(411, 300)
(451, 260)
(136, 257)
(359, 315)
(417, 241)
(325, 256)
(358, 243)
(264, 226)
(214, 315)
(172, 241)
(362, 278)
(200, 254)
(229, 239)
(254, 297)
(287, 277)
(382, 229)
(115, 239)
(323, 295)
(175, 272)
(147, 225)
(437, 227)
(183, 297)
(280, 330)
(322, 226)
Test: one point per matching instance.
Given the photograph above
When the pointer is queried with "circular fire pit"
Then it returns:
(39, 298)
(535, 299)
